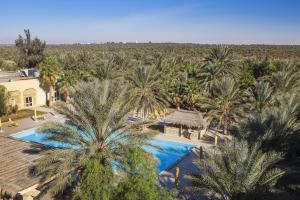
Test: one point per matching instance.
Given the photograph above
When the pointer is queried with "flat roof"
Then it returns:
(12, 76)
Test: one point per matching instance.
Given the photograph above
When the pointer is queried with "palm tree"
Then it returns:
(146, 90)
(237, 171)
(261, 95)
(227, 106)
(218, 62)
(182, 84)
(50, 71)
(107, 70)
(277, 124)
(280, 122)
(66, 82)
(97, 123)
(287, 79)
(209, 77)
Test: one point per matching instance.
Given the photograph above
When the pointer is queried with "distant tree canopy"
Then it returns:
(31, 50)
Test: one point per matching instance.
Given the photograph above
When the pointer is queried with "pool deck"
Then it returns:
(16, 158)
(186, 166)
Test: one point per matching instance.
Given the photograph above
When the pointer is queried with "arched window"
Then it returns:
(29, 97)
(15, 98)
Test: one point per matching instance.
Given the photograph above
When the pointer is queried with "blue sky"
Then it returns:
(196, 21)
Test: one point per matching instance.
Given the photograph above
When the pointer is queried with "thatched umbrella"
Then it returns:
(190, 119)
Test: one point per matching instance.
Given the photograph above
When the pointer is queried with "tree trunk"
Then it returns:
(50, 100)
(66, 96)
(180, 130)
(144, 119)
(225, 127)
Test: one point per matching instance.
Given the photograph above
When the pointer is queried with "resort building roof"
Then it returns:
(8, 76)
(192, 119)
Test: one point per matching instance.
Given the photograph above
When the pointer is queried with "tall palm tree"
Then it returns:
(107, 70)
(96, 123)
(261, 95)
(277, 124)
(287, 79)
(237, 171)
(66, 82)
(146, 90)
(218, 62)
(227, 106)
(281, 122)
(50, 71)
(209, 77)
(183, 86)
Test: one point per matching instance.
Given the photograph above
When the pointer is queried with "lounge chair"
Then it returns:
(187, 134)
(12, 123)
(41, 117)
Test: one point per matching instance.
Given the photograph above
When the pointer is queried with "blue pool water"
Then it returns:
(168, 153)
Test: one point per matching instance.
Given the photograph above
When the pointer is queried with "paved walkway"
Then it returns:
(28, 123)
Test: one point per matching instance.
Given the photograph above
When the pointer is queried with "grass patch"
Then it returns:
(21, 114)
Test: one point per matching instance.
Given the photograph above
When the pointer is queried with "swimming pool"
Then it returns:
(169, 153)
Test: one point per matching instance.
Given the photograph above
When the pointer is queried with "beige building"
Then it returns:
(24, 91)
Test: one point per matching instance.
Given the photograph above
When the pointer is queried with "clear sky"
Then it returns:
(196, 21)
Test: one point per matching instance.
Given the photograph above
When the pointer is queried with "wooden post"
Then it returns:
(164, 128)
(35, 114)
(180, 130)
(216, 140)
(177, 178)
(201, 152)
(199, 134)
(1, 130)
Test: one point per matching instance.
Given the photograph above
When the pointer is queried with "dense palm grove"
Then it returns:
(248, 92)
